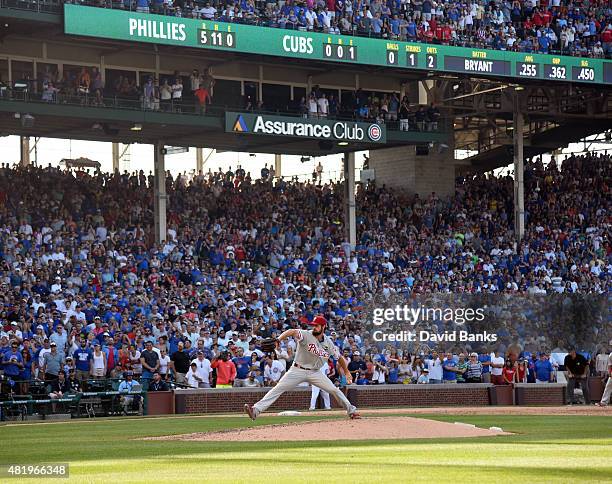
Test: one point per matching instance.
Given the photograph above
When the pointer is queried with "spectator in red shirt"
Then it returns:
(509, 373)
(226, 370)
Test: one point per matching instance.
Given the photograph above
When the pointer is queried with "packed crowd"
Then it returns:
(582, 28)
(85, 290)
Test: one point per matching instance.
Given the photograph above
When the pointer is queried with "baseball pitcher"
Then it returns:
(313, 351)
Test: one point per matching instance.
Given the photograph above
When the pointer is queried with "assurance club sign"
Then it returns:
(321, 129)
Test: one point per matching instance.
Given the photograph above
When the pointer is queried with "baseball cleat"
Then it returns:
(250, 411)
(355, 416)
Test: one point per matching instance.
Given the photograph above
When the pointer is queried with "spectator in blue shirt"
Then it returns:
(449, 374)
(543, 369)
(82, 357)
(12, 361)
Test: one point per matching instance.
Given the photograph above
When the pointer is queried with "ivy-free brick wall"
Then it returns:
(232, 400)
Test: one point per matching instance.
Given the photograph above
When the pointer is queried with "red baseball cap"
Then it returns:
(318, 320)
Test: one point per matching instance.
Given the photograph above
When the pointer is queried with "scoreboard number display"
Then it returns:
(339, 52)
(217, 38)
(392, 57)
(431, 61)
(527, 70)
(583, 74)
(555, 72)
(412, 59)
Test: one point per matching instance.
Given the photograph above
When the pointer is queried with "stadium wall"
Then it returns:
(232, 400)
(402, 169)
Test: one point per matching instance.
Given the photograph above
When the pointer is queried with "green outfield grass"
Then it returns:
(544, 449)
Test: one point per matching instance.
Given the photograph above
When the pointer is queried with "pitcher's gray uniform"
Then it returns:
(310, 356)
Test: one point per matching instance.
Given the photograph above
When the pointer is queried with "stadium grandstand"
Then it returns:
(118, 288)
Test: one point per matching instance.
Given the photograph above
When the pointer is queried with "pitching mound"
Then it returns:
(377, 428)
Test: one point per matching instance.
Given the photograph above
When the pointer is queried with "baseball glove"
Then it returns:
(268, 345)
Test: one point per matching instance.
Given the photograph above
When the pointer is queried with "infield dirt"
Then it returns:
(371, 428)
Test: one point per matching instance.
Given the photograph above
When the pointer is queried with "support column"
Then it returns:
(115, 157)
(350, 222)
(519, 171)
(159, 184)
(24, 160)
(199, 162)
(278, 166)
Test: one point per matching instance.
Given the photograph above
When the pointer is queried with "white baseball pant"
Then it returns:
(605, 398)
(292, 379)
(315, 390)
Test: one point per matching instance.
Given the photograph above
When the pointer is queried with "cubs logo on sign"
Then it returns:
(374, 132)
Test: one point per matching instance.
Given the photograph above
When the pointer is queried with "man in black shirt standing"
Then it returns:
(577, 368)
(181, 360)
(150, 363)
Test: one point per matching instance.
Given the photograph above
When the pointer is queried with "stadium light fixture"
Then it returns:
(136, 127)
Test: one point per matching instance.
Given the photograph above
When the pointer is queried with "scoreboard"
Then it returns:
(249, 39)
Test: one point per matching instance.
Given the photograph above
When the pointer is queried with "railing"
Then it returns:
(191, 107)
(493, 139)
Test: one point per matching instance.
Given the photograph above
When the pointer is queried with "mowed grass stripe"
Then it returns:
(543, 449)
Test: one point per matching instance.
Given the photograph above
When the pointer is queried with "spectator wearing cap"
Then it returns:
(53, 363)
(203, 369)
(423, 377)
(380, 371)
(127, 386)
(192, 379)
(242, 364)
(577, 371)
(60, 338)
(98, 362)
(543, 369)
(473, 372)
(273, 370)
(356, 365)
(39, 357)
(16, 332)
(69, 365)
(252, 381)
(12, 361)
